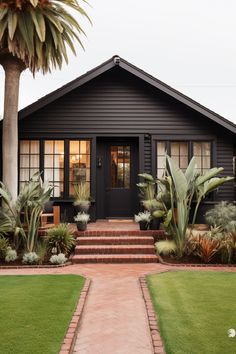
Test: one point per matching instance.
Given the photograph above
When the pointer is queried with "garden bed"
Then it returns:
(18, 265)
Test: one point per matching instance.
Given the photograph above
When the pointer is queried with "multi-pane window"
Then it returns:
(181, 152)
(79, 157)
(202, 153)
(29, 160)
(120, 166)
(54, 165)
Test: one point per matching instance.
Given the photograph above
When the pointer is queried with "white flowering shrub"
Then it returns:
(30, 258)
(11, 255)
(58, 259)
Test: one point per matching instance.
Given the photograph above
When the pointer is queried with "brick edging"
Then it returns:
(71, 334)
(203, 265)
(157, 343)
(37, 266)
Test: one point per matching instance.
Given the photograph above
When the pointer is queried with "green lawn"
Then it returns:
(35, 312)
(195, 310)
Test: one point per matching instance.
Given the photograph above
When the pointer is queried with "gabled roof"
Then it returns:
(117, 61)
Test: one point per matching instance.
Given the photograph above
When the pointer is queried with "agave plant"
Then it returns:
(60, 239)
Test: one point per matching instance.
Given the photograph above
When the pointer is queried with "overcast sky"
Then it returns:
(188, 44)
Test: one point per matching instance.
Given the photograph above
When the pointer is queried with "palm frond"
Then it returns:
(39, 32)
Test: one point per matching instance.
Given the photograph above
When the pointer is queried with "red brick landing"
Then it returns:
(116, 228)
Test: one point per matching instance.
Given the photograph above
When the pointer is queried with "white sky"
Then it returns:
(188, 44)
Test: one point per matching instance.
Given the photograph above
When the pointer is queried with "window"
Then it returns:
(120, 166)
(54, 165)
(79, 163)
(181, 152)
(29, 160)
(202, 152)
(63, 163)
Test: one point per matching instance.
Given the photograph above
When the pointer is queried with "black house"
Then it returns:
(112, 123)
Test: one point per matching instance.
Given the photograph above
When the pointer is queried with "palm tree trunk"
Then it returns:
(13, 68)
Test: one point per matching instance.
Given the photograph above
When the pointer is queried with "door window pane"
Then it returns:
(79, 158)
(120, 166)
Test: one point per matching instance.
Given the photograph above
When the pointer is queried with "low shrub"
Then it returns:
(58, 259)
(207, 248)
(11, 255)
(166, 248)
(221, 215)
(4, 244)
(30, 258)
(61, 239)
(42, 251)
(231, 229)
(227, 248)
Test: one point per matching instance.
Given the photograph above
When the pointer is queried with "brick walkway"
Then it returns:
(115, 319)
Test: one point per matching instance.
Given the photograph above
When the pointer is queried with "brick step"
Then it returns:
(115, 258)
(115, 249)
(154, 233)
(115, 240)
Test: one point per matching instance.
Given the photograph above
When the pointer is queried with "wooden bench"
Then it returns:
(55, 215)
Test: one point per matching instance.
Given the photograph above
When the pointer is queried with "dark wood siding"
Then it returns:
(147, 156)
(225, 160)
(117, 102)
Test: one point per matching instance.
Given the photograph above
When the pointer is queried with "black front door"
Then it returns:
(120, 169)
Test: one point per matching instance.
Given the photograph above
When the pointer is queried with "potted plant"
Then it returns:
(81, 221)
(143, 218)
(82, 197)
(154, 206)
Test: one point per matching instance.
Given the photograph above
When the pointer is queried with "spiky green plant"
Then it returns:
(29, 206)
(61, 239)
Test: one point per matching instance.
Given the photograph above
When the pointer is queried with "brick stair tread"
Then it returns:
(115, 249)
(105, 233)
(114, 258)
(115, 240)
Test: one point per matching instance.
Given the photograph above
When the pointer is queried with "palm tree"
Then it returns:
(34, 34)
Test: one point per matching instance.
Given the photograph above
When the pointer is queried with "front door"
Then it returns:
(120, 177)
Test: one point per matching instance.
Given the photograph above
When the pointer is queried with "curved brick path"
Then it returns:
(114, 319)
